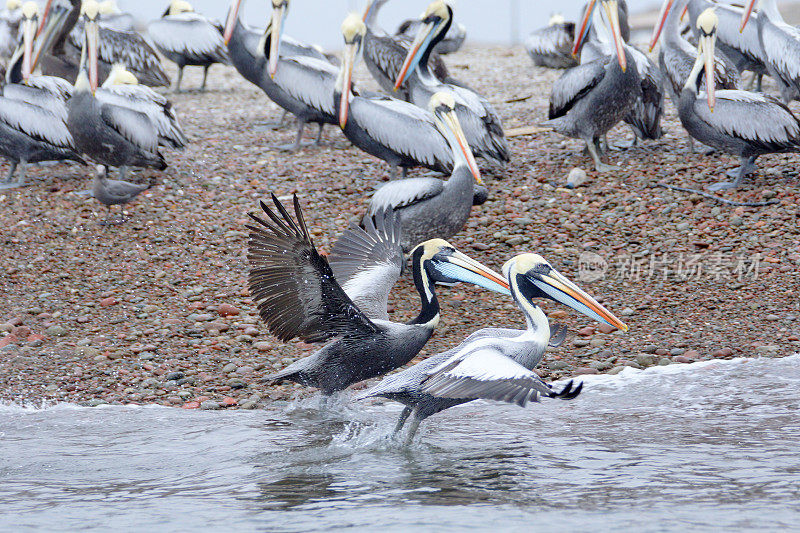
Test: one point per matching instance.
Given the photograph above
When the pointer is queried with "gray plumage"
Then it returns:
(189, 39)
(780, 47)
(9, 30)
(551, 46)
(114, 192)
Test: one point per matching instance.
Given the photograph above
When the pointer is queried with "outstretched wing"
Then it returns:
(486, 373)
(368, 262)
(574, 84)
(294, 287)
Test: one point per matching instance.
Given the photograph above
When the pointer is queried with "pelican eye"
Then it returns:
(541, 268)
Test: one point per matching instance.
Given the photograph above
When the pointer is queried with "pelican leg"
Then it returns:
(7, 183)
(747, 166)
(295, 146)
(402, 420)
(759, 81)
(595, 153)
(413, 426)
(392, 172)
(177, 88)
(123, 172)
(205, 77)
(319, 133)
(405, 172)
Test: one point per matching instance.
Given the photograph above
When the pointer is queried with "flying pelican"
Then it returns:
(427, 207)
(780, 46)
(32, 119)
(482, 126)
(551, 46)
(588, 100)
(493, 363)
(645, 117)
(126, 47)
(10, 19)
(451, 42)
(301, 85)
(384, 54)
(300, 294)
(738, 122)
(187, 38)
(398, 132)
(740, 46)
(110, 134)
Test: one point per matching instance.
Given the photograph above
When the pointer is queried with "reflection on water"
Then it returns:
(673, 448)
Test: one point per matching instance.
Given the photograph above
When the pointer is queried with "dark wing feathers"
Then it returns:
(294, 287)
(574, 84)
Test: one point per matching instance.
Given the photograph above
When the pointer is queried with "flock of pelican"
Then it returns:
(78, 87)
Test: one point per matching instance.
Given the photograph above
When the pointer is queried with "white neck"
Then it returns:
(538, 325)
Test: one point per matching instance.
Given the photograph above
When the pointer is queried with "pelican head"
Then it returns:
(611, 19)
(556, 18)
(119, 75)
(353, 31)
(29, 26)
(707, 24)
(13, 5)
(531, 276)
(443, 107)
(279, 9)
(435, 22)
(177, 7)
(444, 264)
(108, 7)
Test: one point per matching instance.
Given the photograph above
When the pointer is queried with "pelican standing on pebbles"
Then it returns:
(738, 122)
(493, 363)
(588, 100)
(301, 294)
(551, 46)
(187, 38)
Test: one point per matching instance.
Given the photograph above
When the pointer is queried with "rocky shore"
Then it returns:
(156, 310)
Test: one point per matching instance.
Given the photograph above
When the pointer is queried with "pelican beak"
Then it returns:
(684, 12)
(666, 7)
(45, 14)
(230, 23)
(748, 11)
(458, 267)
(560, 289)
(348, 61)
(450, 121)
(278, 12)
(370, 3)
(28, 36)
(583, 28)
(612, 14)
(415, 52)
(707, 44)
(92, 38)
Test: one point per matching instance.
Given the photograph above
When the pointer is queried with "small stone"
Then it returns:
(587, 331)
(682, 359)
(616, 370)
(664, 361)
(191, 405)
(247, 405)
(230, 367)
(210, 405)
(646, 359)
(200, 317)
(724, 352)
(606, 328)
(683, 226)
(627, 312)
(677, 351)
(94, 402)
(56, 331)
(108, 302)
(174, 376)
(557, 365)
(585, 370)
(772, 318)
(236, 383)
(228, 401)
(600, 365)
(515, 240)
(576, 178)
(579, 342)
(650, 348)
(737, 220)
(597, 342)
(662, 351)
(692, 354)
(227, 310)
(87, 351)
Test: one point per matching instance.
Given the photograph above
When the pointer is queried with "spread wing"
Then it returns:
(190, 35)
(403, 127)
(574, 84)
(368, 262)
(402, 193)
(132, 125)
(294, 286)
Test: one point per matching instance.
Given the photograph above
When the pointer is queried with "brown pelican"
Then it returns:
(493, 363)
(451, 42)
(398, 132)
(110, 16)
(302, 85)
(588, 100)
(384, 55)
(10, 19)
(187, 38)
(110, 134)
(126, 47)
(676, 55)
(780, 46)
(300, 294)
(738, 122)
(428, 208)
(32, 111)
(551, 46)
(740, 47)
(479, 120)
(114, 192)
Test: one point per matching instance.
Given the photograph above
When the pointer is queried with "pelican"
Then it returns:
(110, 134)
(551, 46)
(427, 207)
(112, 17)
(482, 126)
(588, 100)
(32, 119)
(780, 46)
(740, 46)
(450, 43)
(126, 47)
(645, 117)
(187, 38)
(384, 54)
(10, 19)
(301, 85)
(738, 122)
(300, 294)
(493, 363)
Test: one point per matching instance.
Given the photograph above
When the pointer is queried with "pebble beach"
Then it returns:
(156, 310)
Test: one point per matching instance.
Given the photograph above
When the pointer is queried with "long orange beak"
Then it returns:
(583, 28)
(612, 14)
(414, 53)
(462, 149)
(230, 23)
(45, 14)
(348, 61)
(662, 19)
(747, 13)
